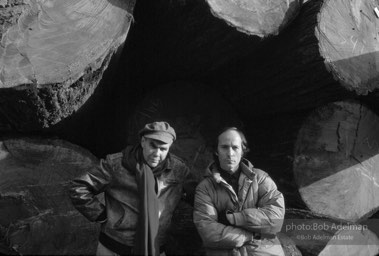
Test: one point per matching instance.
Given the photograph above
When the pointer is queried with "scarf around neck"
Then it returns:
(148, 219)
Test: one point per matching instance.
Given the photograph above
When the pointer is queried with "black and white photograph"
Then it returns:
(189, 127)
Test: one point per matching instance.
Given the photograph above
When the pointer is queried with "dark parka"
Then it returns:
(258, 212)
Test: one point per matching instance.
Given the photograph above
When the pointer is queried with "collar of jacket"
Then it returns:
(246, 167)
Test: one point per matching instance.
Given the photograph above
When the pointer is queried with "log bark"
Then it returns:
(197, 115)
(336, 161)
(186, 39)
(53, 55)
(36, 214)
(319, 235)
(325, 55)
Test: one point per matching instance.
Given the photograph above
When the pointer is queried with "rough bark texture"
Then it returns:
(36, 214)
(325, 55)
(184, 39)
(53, 55)
(318, 235)
(336, 161)
(196, 115)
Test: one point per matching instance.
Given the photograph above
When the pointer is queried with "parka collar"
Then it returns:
(246, 167)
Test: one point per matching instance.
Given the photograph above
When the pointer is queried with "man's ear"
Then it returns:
(142, 141)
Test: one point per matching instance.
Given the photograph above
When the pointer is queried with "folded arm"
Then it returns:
(213, 233)
(268, 217)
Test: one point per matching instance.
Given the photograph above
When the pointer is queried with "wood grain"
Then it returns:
(336, 161)
(255, 17)
(36, 214)
(53, 55)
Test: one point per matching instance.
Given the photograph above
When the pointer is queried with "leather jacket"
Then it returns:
(257, 209)
(119, 215)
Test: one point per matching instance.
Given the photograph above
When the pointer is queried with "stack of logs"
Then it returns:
(79, 78)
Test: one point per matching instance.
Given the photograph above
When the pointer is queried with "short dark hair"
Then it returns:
(245, 146)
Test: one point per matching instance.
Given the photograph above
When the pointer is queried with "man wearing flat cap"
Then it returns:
(142, 185)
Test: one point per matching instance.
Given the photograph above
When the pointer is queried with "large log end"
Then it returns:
(36, 214)
(336, 161)
(53, 55)
(348, 37)
(260, 18)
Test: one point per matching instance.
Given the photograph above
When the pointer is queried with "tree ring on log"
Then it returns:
(254, 17)
(337, 161)
(54, 41)
(53, 55)
(348, 39)
(36, 214)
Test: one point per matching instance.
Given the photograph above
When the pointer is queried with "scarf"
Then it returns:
(148, 220)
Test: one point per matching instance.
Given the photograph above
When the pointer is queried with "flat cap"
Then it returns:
(161, 131)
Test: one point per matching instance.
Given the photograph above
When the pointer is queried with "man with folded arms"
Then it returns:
(238, 209)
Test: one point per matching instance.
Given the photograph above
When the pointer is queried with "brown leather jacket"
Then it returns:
(120, 214)
(258, 213)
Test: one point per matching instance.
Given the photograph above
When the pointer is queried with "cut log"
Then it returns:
(275, 143)
(318, 235)
(196, 115)
(336, 161)
(184, 39)
(329, 52)
(53, 54)
(261, 18)
(36, 214)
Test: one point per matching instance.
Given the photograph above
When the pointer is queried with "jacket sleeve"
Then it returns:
(213, 233)
(268, 217)
(83, 191)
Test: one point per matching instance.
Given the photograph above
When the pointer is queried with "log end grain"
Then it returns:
(260, 18)
(54, 41)
(53, 55)
(348, 39)
(37, 216)
(336, 161)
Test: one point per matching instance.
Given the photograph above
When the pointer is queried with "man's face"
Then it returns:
(154, 151)
(229, 150)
